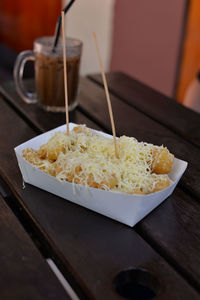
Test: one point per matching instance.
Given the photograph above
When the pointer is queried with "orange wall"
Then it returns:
(191, 50)
(146, 40)
(21, 21)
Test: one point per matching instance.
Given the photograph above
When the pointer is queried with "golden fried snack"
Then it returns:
(82, 129)
(106, 183)
(32, 156)
(87, 158)
(55, 145)
(161, 184)
(51, 150)
(163, 161)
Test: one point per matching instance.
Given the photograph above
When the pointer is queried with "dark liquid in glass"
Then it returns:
(50, 80)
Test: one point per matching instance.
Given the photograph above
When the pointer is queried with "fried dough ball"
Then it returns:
(32, 156)
(54, 158)
(83, 129)
(51, 153)
(163, 161)
(161, 184)
(79, 178)
(55, 145)
(52, 149)
(42, 152)
(104, 184)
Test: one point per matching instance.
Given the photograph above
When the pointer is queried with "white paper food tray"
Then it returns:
(126, 208)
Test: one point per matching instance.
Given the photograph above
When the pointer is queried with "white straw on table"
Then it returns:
(65, 71)
(107, 95)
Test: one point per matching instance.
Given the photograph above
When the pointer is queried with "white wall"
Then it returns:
(147, 40)
(84, 17)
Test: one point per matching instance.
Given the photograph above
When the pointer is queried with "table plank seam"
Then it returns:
(53, 254)
(188, 191)
(141, 228)
(40, 238)
(27, 249)
(47, 247)
(20, 112)
(168, 258)
(18, 211)
(88, 115)
(174, 130)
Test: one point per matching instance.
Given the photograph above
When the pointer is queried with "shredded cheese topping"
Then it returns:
(88, 158)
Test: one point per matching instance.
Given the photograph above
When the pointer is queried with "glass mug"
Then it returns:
(49, 76)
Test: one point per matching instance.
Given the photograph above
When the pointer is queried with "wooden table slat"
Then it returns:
(173, 230)
(39, 119)
(161, 108)
(24, 273)
(89, 104)
(98, 247)
(94, 248)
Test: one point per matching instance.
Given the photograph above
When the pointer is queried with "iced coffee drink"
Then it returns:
(49, 74)
(49, 79)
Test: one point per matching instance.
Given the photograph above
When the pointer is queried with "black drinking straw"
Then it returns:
(59, 25)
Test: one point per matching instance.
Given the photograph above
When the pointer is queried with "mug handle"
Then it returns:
(18, 73)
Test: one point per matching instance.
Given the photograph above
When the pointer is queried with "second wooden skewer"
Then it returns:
(65, 71)
(107, 96)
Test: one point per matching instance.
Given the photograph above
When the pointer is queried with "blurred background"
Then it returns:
(156, 42)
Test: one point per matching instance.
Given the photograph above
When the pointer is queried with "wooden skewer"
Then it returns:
(65, 72)
(107, 96)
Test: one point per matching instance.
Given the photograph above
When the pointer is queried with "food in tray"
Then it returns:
(87, 157)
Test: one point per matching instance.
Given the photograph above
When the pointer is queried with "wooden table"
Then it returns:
(89, 249)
